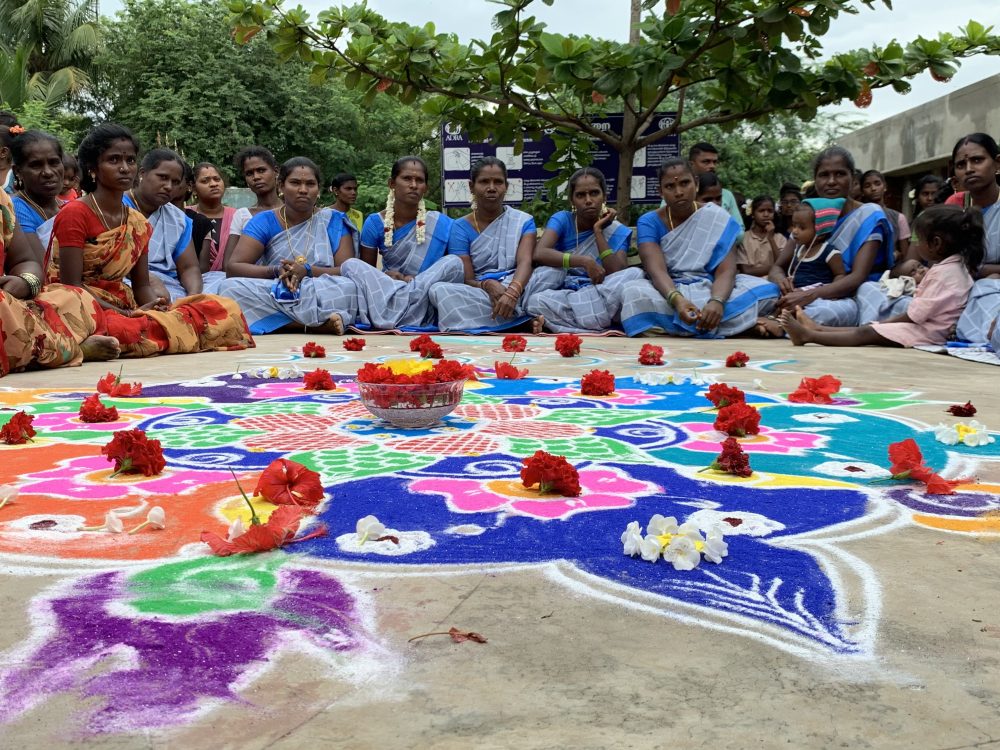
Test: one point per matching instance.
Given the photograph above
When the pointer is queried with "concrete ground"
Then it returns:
(564, 668)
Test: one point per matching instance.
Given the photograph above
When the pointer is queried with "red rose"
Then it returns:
(650, 354)
(507, 371)
(732, 460)
(312, 349)
(92, 410)
(958, 410)
(737, 359)
(286, 482)
(514, 343)
(722, 395)
(134, 453)
(112, 385)
(354, 345)
(815, 390)
(568, 344)
(597, 383)
(738, 419)
(18, 430)
(318, 380)
(551, 474)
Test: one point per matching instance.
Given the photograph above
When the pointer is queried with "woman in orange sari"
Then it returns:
(98, 241)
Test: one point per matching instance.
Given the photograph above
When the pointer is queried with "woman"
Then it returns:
(925, 194)
(976, 160)
(412, 243)
(209, 190)
(172, 261)
(873, 191)
(99, 240)
(38, 165)
(345, 193)
(285, 269)
(9, 130)
(687, 253)
(496, 244)
(588, 246)
(863, 235)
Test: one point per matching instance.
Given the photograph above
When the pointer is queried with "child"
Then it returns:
(71, 179)
(758, 251)
(709, 189)
(345, 191)
(952, 241)
(873, 189)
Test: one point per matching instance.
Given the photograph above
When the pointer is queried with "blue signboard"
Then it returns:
(526, 171)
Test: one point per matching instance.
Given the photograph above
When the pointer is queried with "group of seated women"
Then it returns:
(130, 270)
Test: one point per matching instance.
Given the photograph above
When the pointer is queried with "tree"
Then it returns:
(746, 58)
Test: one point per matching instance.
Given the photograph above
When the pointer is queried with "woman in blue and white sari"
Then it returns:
(496, 244)
(412, 242)
(285, 269)
(864, 236)
(587, 247)
(687, 253)
(38, 167)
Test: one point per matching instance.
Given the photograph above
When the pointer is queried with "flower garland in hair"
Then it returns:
(390, 217)
(421, 221)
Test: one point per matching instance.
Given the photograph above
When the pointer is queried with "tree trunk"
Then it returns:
(629, 134)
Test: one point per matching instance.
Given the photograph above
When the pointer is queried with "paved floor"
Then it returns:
(571, 667)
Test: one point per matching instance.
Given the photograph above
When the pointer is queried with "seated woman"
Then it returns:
(173, 265)
(863, 235)
(209, 190)
(687, 253)
(285, 270)
(38, 166)
(496, 244)
(98, 241)
(588, 247)
(412, 243)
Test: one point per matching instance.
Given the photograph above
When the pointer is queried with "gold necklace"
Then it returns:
(475, 211)
(299, 257)
(670, 216)
(103, 218)
(38, 209)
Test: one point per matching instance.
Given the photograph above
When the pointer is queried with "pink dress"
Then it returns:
(936, 307)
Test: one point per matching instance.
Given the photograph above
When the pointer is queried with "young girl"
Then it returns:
(758, 251)
(925, 194)
(209, 190)
(952, 242)
(71, 178)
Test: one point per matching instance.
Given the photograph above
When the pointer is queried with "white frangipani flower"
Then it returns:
(632, 539)
(650, 548)
(972, 433)
(369, 527)
(690, 530)
(715, 546)
(658, 525)
(682, 553)
(157, 518)
(113, 523)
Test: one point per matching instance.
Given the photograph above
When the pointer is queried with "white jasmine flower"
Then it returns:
(8, 493)
(157, 518)
(113, 523)
(682, 553)
(236, 376)
(632, 539)
(235, 529)
(369, 527)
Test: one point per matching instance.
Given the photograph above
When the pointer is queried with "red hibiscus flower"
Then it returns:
(112, 385)
(815, 390)
(551, 474)
(650, 354)
(18, 430)
(318, 380)
(722, 395)
(133, 453)
(738, 419)
(287, 482)
(514, 343)
(907, 462)
(92, 410)
(507, 371)
(354, 345)
(597, 383)
(568, 344)
(737, 359)
(732, 460)
(312, 349)
(966, 410)
(279, 530)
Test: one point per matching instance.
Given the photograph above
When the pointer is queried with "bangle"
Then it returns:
(520, 287)
(309, 269)
(672, 296)
(275, 271)
(606, 253)
(716, 299)
(34, 284)
(566, 258)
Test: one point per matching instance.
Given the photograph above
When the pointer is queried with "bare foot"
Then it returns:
(538, 324)
(769, 328)
(100, 348)
(797, 332)
(805, 320)
(334, 325)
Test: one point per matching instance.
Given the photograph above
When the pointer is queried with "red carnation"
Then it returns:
(112, 385)
(286, 482)
(732, 460)
(417, 342)
(312, 349)
(738, 419)
(551, 474)
(568, 344)
(597, 383)
(507, 371)
(815, 390)
(134, 453)
(93, 410)
(18, 430)
(737, 359)
(514, 343)
(354, 345)
(318, 380)
(650, 354)
(722, 395)
(966, 410)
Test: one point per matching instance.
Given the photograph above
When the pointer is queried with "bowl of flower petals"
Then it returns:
(413, 393)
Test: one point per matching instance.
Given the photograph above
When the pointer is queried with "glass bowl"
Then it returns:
(413, 405)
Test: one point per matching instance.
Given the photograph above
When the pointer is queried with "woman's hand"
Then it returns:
(710, 316)
(292, 273)
(15, 286)
(605, 220)
(160, 304)
(686, 309)
(503, 306)
(796, 298)
(786, 285)
(594, 270)
(493, 289)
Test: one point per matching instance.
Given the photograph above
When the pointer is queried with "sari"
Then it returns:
(385, 303)
(692, 252)
(493, 253)
(575, 304)
(267, 303)
(983, 309)
(32, 222)
(170, 236)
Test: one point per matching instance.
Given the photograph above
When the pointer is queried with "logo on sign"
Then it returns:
(453, 129)
(665, 122)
